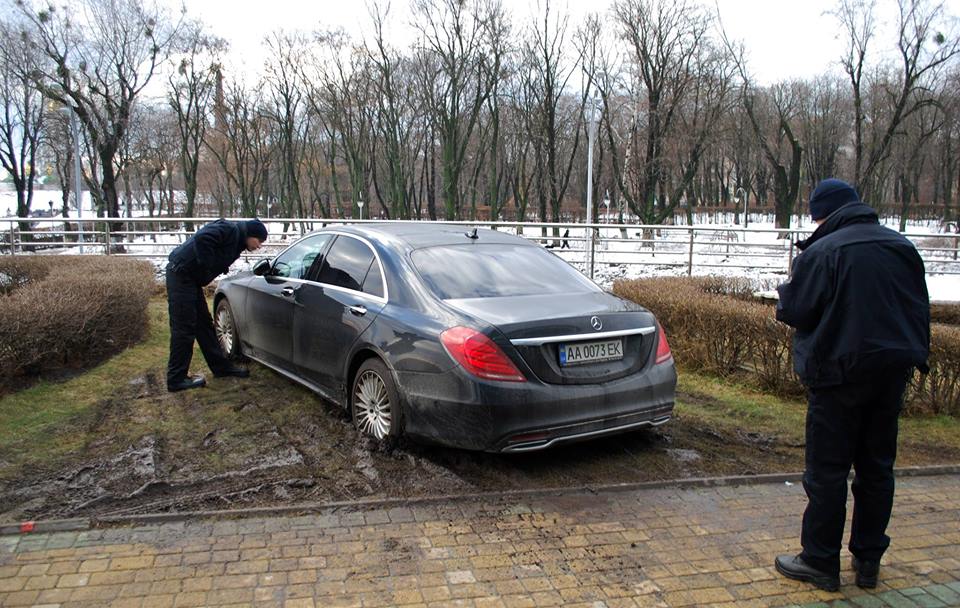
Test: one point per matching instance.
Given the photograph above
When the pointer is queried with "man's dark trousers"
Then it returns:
(851, 424)
(190, 319)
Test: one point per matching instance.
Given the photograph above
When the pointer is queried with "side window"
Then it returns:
(295, 262)
(346, 264)
(373, 284)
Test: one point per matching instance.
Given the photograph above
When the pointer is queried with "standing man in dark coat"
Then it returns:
(200, 259)
(858, 300)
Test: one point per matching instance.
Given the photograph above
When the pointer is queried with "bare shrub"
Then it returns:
(948, 314)
(70, 311)
(713, 328)
(708, 330)
(16, 271)
(939, 391)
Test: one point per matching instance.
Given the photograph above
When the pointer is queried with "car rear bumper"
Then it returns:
(458, 410)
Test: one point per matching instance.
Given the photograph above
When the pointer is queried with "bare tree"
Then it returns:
(772, 115)
(665, 38)
(339, 93)
(489, 160)
(825, 118)
(457, 34)
(240, 141)
(58, 149)
(286, 108)
(857, 18)
(926, 43)
(22, 114)
(318, 169)
(557, 120)
(699, 118)
(947, 162)
(394, 85)
(601, 74)
(913, 155)
(154, 148)
(100, 55)
(191, 91)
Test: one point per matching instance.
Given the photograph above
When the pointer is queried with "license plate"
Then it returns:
(591, 352)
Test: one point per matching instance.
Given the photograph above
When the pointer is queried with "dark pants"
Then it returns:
(190, 319)
(851, 424)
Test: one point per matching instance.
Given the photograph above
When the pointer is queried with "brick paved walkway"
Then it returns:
(647, 547)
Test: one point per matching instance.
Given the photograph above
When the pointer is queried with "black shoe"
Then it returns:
(186, 383)
(233, 372)
(793, 566)
(867, 572)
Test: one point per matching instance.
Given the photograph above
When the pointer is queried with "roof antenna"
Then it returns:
(472, 234)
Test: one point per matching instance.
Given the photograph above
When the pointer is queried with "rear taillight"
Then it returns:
(663, 348)
(479, 355)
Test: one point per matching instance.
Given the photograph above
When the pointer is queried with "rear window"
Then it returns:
(456, 272)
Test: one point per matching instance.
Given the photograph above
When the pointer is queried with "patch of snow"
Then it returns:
(721, 248)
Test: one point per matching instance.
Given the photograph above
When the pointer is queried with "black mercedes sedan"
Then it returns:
(467, 338)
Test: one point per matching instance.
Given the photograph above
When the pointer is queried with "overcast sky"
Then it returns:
(783, 38)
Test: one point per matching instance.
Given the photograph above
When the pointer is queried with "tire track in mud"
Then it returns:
(273, 459)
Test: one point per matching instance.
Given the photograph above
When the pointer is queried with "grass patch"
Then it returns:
(728, 405)
(49, 420)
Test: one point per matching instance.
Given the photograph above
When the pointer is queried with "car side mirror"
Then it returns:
(261, 268)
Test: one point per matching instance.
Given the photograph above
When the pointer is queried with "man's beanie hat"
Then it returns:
(830, 195)
(255, 228)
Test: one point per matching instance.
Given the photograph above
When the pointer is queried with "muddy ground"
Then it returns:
(265, 442)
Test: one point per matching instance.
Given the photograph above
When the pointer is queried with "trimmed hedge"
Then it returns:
(17, 271)
(948, 314)
(61, 312)
(713, 327)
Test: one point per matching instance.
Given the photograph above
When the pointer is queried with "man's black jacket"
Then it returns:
(210, 252)
(858, 300)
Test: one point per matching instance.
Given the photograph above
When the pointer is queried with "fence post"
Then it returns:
(690, 256)
(592, 248)
(790, 255)
(106, 236)
(13, 243)
(956, 244)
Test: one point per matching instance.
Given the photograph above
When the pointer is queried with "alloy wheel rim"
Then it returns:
(225, 330)
(372, 403)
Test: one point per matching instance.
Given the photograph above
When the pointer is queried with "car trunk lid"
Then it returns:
(579, 338)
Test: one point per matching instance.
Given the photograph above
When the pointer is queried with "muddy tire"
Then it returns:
(226, 327)
(374, 403)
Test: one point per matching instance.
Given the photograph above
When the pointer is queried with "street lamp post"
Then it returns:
(75, 133)
(360, 204)
(606, 202)
(741, 193)
(592, 121)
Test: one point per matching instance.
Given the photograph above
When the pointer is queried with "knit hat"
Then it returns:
(830, 195)
(255, 228)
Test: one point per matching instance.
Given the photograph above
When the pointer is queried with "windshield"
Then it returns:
(456, 272)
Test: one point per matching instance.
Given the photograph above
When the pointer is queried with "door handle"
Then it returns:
(287, 291)
(358, 310)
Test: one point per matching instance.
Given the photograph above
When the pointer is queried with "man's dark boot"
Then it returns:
(186, 383)
(867, 572)
(234, 372)
(793, 566)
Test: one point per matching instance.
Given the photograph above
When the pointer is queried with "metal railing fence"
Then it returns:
(681, 249)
